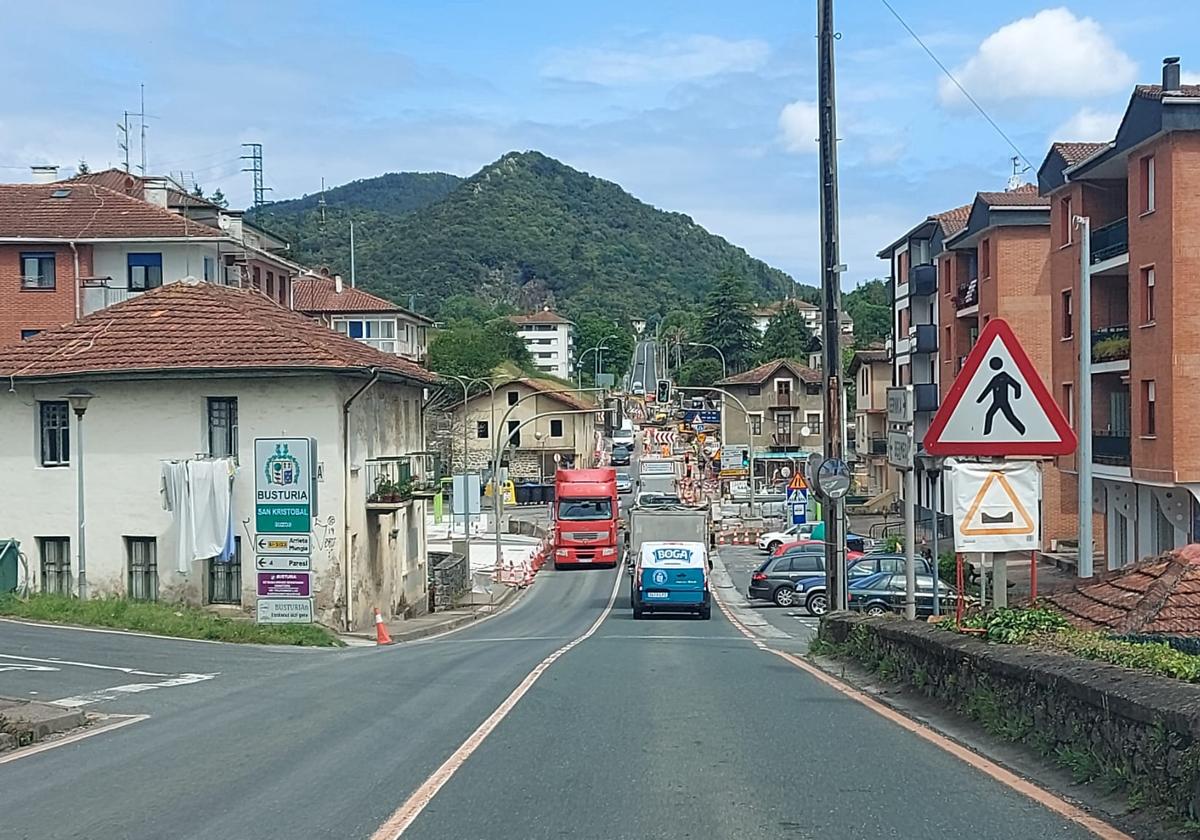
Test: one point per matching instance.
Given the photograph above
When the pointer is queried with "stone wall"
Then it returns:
(1125, 729)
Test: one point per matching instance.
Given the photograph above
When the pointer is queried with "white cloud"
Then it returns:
(1052, 54)
(799, 123)
(662, 60)
(1189, 78)
(1088, 124)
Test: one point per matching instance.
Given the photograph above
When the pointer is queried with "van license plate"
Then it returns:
(657, 594)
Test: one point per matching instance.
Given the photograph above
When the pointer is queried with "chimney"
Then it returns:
(154, 191)
(1170, 73)
(337, 283)
(44, 174)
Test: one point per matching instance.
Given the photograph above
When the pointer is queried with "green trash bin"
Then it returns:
(9, 549)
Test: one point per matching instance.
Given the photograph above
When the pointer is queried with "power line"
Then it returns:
(957, 83)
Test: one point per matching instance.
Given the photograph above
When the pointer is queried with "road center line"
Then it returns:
(406, 814)
(1006, 777)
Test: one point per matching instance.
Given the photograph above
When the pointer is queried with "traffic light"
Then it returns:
(663, 395)
(745, 459)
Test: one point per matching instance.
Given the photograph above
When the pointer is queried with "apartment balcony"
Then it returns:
(924, 338)
(966, 301)
(1110, 241)
(100, 295)
(922, 280)
(391, 483)
(1111, 448)
(876, 445)
(926, 397)
(1110, 349)
(781, 399)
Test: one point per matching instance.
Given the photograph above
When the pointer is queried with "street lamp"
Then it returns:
(724, 367)
(79, 399)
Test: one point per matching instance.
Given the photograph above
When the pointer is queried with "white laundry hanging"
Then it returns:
(199, 493)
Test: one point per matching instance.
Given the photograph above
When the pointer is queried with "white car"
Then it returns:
(637, 388)
(771, 540)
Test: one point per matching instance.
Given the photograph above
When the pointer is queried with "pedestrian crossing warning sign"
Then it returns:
(996, 506)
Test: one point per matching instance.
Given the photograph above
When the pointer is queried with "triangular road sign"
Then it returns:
(998, 405)
(798, 483)
(996, 511)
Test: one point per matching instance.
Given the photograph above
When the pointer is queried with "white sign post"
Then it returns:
(285, 501)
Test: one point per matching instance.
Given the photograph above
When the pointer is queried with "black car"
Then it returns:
(810, 589)
(621, 454)
(775, 579)
(884, 593)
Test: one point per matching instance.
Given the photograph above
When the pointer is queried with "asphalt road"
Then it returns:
(667, 728)
(741, 561)
(644, 365)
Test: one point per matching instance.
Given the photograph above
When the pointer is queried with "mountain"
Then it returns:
(525, 230)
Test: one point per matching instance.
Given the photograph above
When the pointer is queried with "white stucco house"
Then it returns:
(191, 372)
(365, 317)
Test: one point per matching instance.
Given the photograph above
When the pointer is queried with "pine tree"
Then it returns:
(218, 198)
(787, 336)
(726, 321)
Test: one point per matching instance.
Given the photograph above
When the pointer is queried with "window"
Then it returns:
(225, 577)
(808, 563)
(864, 381)
(514, 433)
(1066, 221)
(1148, 295)
(812, 419)
(903, 320)
(513, 396)
(145, 272)
(481, 429)
(947, 346)
(783, 425)
(56, 564)
(210, 269)
(1147, 186)
(985, 258)
(37, 270)
(754, 390)
(222, 417)
(283, 289)
(379, 333)
(556, 429)
(257, 279)
(1150, 417)
(142, 557)
(1068, 327)
(1068, 402)
(55, 433)
(28, 334)
(756, 424)
(271, 284)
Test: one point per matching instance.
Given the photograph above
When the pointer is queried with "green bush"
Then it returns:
(1110, 348)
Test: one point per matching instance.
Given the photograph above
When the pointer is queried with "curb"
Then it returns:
(400, 636)
(737, 603)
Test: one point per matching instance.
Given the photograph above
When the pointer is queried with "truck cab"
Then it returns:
(671, 576)
(586, 518)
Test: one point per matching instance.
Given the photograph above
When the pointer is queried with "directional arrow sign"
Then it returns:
(998, 405)
(283, 544)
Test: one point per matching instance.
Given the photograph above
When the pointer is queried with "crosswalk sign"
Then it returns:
(998, 405)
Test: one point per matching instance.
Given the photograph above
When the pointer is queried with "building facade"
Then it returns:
(360, 315)
(1139, 192)
(193, 372)
(783, 407)
(871, 375)
(551, 341)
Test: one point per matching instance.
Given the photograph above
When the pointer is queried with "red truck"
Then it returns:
(586, 517)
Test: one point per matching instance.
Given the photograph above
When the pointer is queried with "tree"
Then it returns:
(198, 191)
(726, 321)
(590, 330)
(469, 349)
(466, 308)
(502, 334)
(218, 198)
(787, 337)
(699, 372)
(82, 168)
(870, 305)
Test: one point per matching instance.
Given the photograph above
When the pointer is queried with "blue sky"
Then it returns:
(702, 107)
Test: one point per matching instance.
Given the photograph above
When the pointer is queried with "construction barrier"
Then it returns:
(739, 536)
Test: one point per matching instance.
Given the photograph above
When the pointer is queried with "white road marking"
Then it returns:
(404, 816)
(71, 739)
(131, 671)
(109, 631)
(103, 694)
(21, 667)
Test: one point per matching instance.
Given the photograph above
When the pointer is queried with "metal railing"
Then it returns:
(1110, 241)
(389, 480)
(968, 294)
(1111, 448)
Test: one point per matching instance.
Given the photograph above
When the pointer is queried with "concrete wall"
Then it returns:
(131, 427)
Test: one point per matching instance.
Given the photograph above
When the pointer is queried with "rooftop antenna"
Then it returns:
(352, 277)
(321, 202)
(142, 118)
(1014, 180)
(123, 139)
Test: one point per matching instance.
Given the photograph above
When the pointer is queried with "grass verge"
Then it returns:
(163, 619)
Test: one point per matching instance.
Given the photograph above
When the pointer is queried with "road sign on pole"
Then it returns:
(998, 405)
(996, 506)
(284, 485)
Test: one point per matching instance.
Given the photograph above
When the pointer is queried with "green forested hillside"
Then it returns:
(526, 230)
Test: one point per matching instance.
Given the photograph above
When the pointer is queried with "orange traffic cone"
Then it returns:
(381, 633)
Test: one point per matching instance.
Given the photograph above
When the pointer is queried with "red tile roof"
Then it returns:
(544, 386)
(775, 308)
(952, 221)
(1025, 195)
(760, 374)
(88, 211)
(1159, 595)
(1156, 91)
(1074, 153)
(543, 317)
(319, 294)
(191, 326)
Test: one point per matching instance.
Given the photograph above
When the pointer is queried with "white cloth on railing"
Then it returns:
(200, 495)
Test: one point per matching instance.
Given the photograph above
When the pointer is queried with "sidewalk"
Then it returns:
(434, 623)
(26, 722)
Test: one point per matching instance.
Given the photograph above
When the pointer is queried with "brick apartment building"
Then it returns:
(70, 248)
(1141, 192)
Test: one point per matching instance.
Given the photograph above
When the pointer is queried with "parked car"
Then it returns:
(624, 482)
(854, 545)
(812, 547)
(771, 540)
(884, 593)
(810, 591)
(775, 579)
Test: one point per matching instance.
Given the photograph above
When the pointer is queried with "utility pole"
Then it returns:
(256, 168)
(835, 541)
(353, 278)
(1083, 415)
(142, 119)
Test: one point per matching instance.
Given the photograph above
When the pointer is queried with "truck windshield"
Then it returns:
(578, 510)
